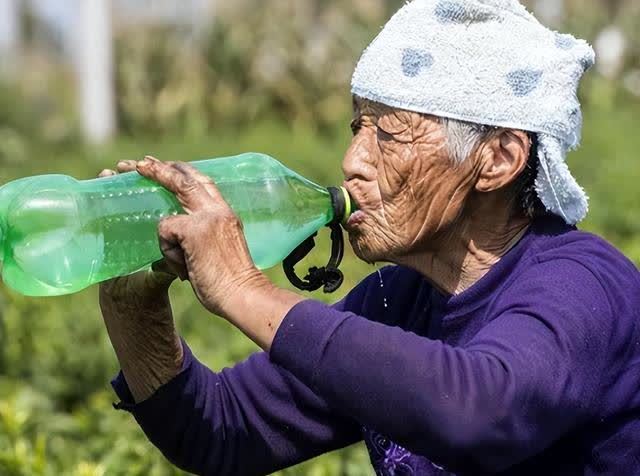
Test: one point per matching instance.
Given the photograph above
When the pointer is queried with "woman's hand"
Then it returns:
(137, 313)
(207, 246)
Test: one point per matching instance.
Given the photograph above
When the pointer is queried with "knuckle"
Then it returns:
(187, 183)
(126, 165)
(185, 168)
(165, 225)
(228, 218)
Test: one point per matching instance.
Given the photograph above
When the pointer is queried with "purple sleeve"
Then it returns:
(522, 381)
(254, 418)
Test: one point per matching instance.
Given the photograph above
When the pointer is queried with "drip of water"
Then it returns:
(384, 298)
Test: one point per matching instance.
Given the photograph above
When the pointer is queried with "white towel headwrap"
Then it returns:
(489, 62)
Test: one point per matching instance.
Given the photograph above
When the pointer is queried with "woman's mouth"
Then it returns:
(356, 218)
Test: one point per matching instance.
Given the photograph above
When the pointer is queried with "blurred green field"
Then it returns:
(55, 360)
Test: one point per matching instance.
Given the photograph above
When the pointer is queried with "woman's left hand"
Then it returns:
(206, 245)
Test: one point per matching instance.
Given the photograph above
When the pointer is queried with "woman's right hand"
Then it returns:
(137, 313)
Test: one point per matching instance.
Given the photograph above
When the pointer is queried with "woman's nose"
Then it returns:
(358, 162)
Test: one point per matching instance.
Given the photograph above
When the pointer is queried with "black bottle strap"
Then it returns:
(328, 276)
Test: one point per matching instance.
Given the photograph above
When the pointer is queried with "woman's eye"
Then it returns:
(384, 135)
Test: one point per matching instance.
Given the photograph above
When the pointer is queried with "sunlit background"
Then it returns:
(85, 83)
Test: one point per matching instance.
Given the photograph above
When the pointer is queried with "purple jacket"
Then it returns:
(534, 370)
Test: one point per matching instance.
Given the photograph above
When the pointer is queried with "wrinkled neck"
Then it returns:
(466, 252)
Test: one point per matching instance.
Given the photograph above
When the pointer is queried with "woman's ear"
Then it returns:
(502, 159)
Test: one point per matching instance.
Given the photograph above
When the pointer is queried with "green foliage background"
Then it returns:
(55, 360)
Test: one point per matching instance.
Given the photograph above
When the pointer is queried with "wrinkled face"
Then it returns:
(408, 190)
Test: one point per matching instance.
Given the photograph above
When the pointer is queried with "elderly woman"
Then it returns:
(502, 340)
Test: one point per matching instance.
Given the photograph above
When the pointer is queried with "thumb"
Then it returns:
(161, 267)
(162, 274)
(152, 282)
(170, 237)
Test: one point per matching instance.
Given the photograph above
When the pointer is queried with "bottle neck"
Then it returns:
(342, 203)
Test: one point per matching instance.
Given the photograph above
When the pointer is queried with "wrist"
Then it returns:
(143, 335)
(241, 292)
(259, 309)
(148, 365)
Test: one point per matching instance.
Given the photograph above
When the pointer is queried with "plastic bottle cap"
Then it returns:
(347, 205)
(342, 204)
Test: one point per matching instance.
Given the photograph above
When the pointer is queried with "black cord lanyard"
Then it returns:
(329, 276)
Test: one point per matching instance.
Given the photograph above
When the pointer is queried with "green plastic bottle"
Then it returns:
(59, 235)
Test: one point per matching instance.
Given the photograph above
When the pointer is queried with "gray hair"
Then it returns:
(463, 138)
